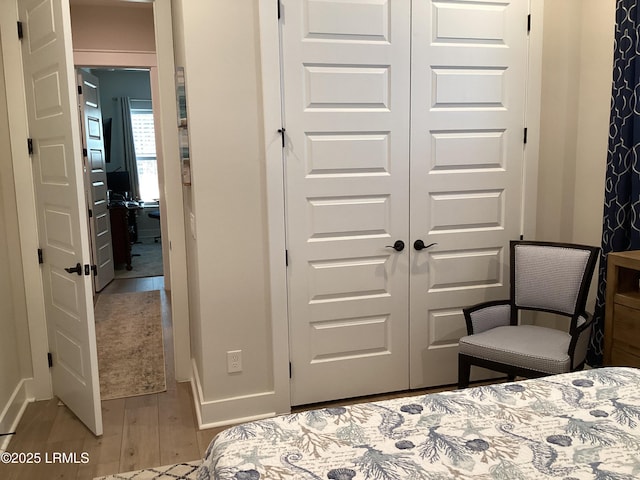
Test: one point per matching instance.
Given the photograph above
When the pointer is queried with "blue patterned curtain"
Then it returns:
(621, 223)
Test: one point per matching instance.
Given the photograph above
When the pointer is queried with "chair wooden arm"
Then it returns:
(580, 341)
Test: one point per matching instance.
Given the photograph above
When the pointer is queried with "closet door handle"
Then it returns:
(419, 245)
(398, 246)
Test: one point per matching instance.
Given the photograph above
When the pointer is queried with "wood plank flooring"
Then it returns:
(139, 432)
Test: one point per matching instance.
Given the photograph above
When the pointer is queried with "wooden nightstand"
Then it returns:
(622, 314)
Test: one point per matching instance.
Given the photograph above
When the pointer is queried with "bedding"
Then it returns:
(571, 426)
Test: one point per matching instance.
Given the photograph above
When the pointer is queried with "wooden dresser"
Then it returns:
(622, 315)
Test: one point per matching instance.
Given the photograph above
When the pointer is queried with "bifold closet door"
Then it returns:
(404, 122)
(468, 80)
(346, 96)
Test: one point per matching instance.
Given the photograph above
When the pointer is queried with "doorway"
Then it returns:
(133, 177)
(129, 307)
(130, 72)
(132, 174)
(161, 64)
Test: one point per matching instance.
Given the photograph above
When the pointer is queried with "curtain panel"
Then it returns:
(130, 163)
(621, 219)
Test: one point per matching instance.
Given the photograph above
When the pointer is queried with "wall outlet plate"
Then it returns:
(234, 361)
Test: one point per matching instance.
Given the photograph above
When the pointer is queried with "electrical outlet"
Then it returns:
(234, 361)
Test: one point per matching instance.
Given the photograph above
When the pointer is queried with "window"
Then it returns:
(145, 144)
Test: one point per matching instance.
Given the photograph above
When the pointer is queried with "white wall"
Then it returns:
(576, 96)
(189, 210)
(15, 353)
(596, 60)
(576, 93)
(105, 27)
(218, 44)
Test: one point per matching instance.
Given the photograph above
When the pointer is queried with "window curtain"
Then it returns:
(130, 164)
(621, 220)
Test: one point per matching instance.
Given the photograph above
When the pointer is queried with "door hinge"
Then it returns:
(281, 132)
(290, 371)
(90, 213)
(30, 146)
(521, 237)
(85, 153)
(279, 11)
(286, 258)
(20, 31)
(40, 257)
(79, 89)
(528, 23)
(50, 359)
(525, 135)
(94, 269)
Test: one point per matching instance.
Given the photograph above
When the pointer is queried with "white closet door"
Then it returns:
(346, 95)
(468, 83)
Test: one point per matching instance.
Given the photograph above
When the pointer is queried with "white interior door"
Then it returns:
(468, 82)
(346, 77)
(96, 174)
(62, 220)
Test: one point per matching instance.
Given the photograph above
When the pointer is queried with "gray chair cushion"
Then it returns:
(527, 346)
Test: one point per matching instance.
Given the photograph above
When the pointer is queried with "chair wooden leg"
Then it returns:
(464, 371)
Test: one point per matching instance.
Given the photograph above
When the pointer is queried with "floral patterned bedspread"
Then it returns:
(572, 426)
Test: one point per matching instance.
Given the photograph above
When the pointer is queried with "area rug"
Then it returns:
(146, 261)
(186, 471)
(130, 345)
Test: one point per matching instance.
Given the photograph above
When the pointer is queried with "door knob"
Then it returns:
(419, 245)
(77, 269)
(398, 246)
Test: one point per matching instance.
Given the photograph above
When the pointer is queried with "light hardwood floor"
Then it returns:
(139, 432)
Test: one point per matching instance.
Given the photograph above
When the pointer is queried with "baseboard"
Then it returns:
(229, 411)
(12, 413)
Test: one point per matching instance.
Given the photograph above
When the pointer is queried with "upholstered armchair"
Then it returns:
(547, 277)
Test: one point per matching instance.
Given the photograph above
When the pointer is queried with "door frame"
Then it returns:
(39, 386)
(275, 173)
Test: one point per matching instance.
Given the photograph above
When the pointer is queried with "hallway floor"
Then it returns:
(139, 432)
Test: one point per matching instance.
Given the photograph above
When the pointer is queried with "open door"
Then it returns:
(96, 178)
(60, 200)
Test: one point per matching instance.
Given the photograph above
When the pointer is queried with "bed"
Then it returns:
(570, 426)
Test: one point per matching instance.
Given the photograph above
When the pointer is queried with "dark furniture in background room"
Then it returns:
(155, 215)
(119, 183)
(622, 315)
(545, 277)
(120, 238)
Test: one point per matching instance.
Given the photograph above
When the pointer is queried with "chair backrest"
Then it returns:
(552, 277)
